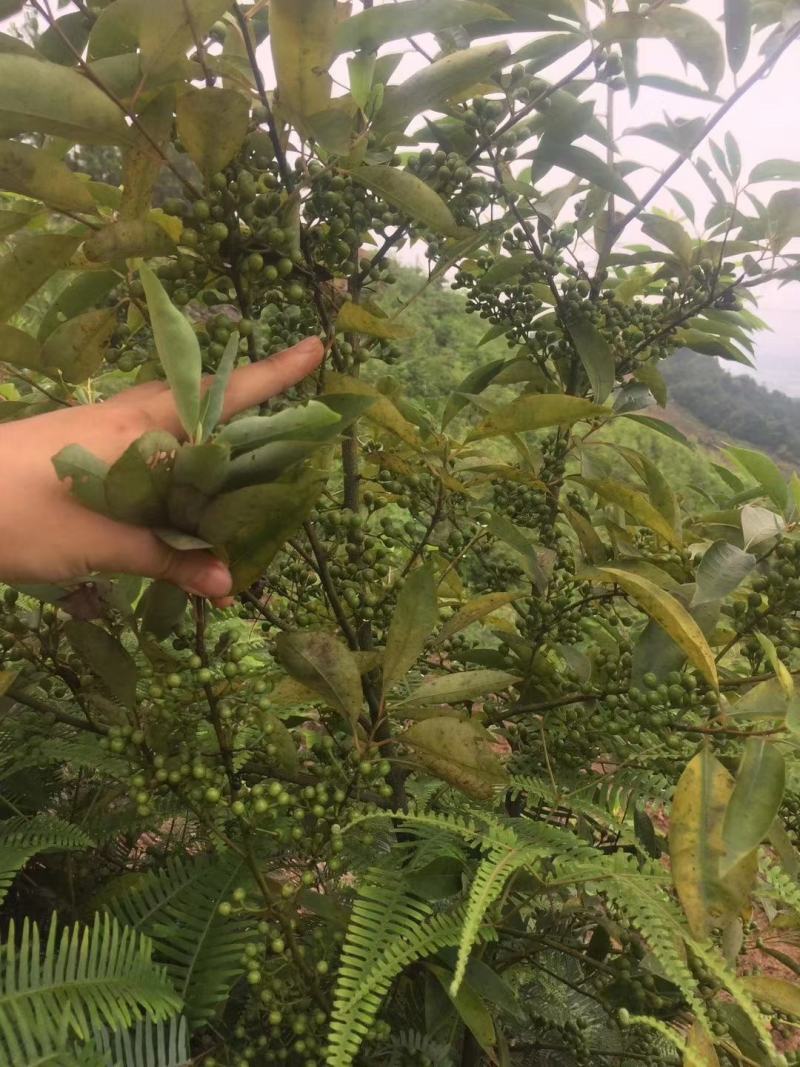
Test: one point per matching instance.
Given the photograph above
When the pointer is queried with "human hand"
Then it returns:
(47, 536)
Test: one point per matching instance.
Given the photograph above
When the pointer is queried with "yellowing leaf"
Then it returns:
(41, 97)
(356, 319)
(636, 505)
(322, 663)
(536, 412)
(414, 618)
(411, 195)
(459, 752)
(670, 615)
(460, 686)
(387, 22)
(212, 123)
(106, 657)
(474, 610)
(755, 801)
(695, 846)
(127, 239)
(699, 1050)
(19, 348)
(302, 40)
(26, 267)
(34, 173)
(76, 349)
(382, 411)
(596, 357)
(777, 993)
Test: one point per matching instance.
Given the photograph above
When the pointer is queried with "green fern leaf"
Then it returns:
(147, 1044)
(21, 838)
(178, 907)
(81, 979)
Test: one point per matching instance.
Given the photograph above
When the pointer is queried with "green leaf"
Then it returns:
(106, 657)
(321, 662)
(438, 82)
(695, 846)
(89, 289)
(302, 41)
(454, 688)
(212, 124)
(473, 1012)
(162, 607)
(754, 802)
(414, 618)
(11, 221)
(670, 615)
(41, 97)
(759, 525)
(721, 570)
(354, 318)
(663, 83)
(178, 350)
(660, 426)
(76, 350)
(411, 195)
(637, 505)
(28, 264)
(537, 562)
(783, 217)
(536, 412)
(694, 39)
(87, 474)
(459, 752)
(775, 170)
(180, 541)
(248, 526)
(308, 422)
(137, 483)
(543, 51)
(33, 172)
(699, 1050)
(268, 462)
(19, 348)
(595, 170)
(474, 610)
(214, 399)
(596, 357)
(764, 471)
(475, 382)
(670, 233)
(738, 14)
(372, 28)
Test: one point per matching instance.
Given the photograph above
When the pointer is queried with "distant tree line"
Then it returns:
(735, 405)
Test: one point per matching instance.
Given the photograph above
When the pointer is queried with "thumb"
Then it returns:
(138, 551)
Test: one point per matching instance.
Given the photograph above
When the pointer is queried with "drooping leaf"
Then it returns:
(754, 802)
(759, 525)
(695, 845)
(721, 570)
(143, 159)
(212, 124)
(775, 170)
(783, 217)
(537, 562)
(33, 172)
(454, 688)
(475, 382)
(536, 412)
(699, 1051)
(587, 165)
(764, 471)
(411, 195)
(28, 264)
(596, 357)
(354, 318)
(670, 615)
(162, 607)
(738, 14)
(76, 350)
(249, 526)
(439, 82)
(302, 41)
(41, 97)
(106, 657)
(19, 348)
(127, 239)
(87, 290)
(414, 618)
(372, 28)
(178, 350)
(137, 483)
(322, 663)
(87, 475)
(777, 993)
(459, 752)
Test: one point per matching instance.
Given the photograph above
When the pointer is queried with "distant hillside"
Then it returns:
(707, 403)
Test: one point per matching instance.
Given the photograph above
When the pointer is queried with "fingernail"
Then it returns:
(213, 580)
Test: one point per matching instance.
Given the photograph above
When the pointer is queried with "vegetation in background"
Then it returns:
(493, 760)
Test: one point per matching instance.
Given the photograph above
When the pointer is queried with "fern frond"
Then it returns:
(21, 838)
(147, 1044)
(389, 929)
(81, 980)
(412, 1042)
(178, 907)
(783, 887)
